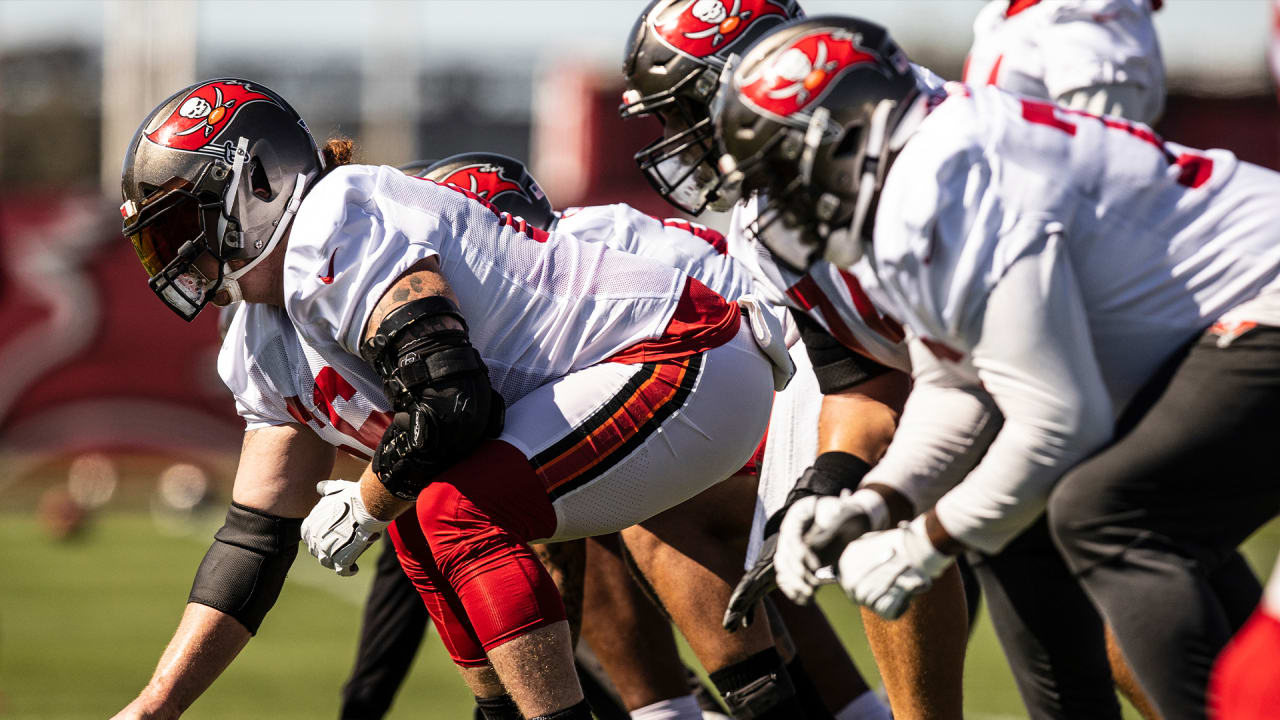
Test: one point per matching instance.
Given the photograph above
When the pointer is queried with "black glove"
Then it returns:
(758, 581)
(416, 447)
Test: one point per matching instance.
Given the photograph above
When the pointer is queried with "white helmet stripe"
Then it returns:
(229, 197)
(295, 201)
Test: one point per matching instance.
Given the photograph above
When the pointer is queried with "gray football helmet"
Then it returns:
(673, 60)
(808, 119)
(500, 180)
(213, 176)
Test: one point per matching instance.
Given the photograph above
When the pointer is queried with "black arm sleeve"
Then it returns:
(837, 367)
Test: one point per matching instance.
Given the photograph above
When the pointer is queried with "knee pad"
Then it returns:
(758, 687)
(244, 570)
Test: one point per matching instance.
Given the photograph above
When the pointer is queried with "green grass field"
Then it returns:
(83, 622)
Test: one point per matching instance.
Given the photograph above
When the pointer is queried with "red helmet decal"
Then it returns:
(706, 27)
(803, 71)
(484, 180)
(203, 113)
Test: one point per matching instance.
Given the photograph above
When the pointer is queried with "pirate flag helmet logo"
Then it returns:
(203, 113)
(501, 181)
(707, 27)
(803, 72)
(811, 119)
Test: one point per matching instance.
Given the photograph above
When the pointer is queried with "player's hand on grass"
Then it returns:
(760, 580)
(884, 570)
(339, 528)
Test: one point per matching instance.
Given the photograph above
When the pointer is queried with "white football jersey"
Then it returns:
(538, 305)
(1054, 48)
(692, 247)
(1108, 249)
(277, 378)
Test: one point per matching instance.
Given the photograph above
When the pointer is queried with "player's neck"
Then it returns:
(265, 282)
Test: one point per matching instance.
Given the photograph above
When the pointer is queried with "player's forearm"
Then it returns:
(862, 421)
(207, 640)
(377, 500)
(943, 433)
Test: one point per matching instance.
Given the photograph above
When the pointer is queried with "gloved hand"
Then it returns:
(813, 533)
(754, 585)
(339, 528)
(884, 570)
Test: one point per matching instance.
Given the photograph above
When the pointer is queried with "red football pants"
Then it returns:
(466, 550)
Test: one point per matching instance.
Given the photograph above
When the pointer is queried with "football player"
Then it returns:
(1083, 277)
(672, 63)
(687, 555)
(645, 675)
(1101, 56)
(396, 317)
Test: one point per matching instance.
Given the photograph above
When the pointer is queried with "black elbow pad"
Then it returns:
(244, 569)
(440, 389)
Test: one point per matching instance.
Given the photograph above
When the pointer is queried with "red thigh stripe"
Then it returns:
(620, 426)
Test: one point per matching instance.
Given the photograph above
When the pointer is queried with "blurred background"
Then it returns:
(117, 441)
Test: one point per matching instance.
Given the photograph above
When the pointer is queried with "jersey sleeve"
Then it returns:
(1112, 49)
(241, 366)
(1032, 353)
(945, 427)
(357, 232)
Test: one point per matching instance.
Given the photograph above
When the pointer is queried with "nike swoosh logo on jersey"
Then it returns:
(328, 279)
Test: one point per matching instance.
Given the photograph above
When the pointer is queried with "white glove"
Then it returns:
(794, 565)
(884, 570)
(339, 528)
(767, 331)
(825, 519)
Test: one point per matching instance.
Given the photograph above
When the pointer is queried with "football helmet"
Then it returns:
(213, 176)
(809, 118)
(673, 61)
(501, 181)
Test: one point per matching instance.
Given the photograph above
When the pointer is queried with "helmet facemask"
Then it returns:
(170, 232)
(681, 163)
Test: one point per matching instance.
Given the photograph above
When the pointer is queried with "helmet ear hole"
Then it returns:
(850, 143)
(259, 184)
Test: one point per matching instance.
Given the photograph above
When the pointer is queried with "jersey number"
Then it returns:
(1194, 170)
(329, 387)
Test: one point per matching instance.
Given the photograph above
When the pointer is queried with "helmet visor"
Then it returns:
(168, 234)
(160, 228)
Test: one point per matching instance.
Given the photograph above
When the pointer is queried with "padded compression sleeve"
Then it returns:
(837, 367)
(245, 568)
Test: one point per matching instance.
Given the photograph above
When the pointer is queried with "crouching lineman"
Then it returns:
(379, 309)
(1114, 296)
